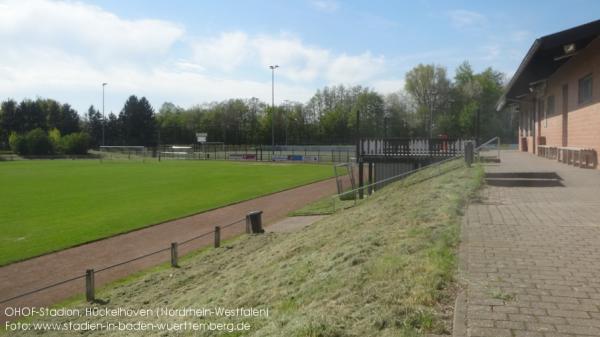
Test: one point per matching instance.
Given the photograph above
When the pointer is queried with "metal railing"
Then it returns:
(354, 193)
(215, 232)
(375, 185)
(412, 147)
(292, 153)
(489, 146)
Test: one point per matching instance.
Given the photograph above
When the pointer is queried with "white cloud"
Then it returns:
(387, 86)
(298, 61)
(231, 50)
(355, 69)
(463, 18)
(225, 52)
(325, 5)
(75, 26)
(65, 50)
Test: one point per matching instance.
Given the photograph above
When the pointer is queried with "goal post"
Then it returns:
(176, 152)
(133, 153)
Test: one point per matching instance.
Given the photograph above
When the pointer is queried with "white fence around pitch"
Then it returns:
(416, 147)
(123, 153)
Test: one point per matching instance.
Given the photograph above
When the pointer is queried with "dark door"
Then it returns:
(565, 115)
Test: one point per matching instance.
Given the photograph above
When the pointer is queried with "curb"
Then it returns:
(460, 316)
(459, 323)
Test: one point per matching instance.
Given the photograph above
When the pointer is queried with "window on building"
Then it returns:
(550, 105)
(549, 112)
(585, 89)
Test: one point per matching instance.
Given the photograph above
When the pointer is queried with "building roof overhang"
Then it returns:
(545, 56)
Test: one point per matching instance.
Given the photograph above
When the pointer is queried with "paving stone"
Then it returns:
(482, 323)
(489, 332)
(579, 330)
(533, 326)
(568, 313)
(522, 333)
(532, 254)
(509, 325)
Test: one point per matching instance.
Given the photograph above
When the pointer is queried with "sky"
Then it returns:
(194, 52)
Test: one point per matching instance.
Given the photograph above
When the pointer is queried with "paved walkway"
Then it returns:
(531, 251)
(35, 273)
(293, 223)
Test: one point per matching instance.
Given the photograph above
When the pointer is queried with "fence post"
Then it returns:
(469, 153)
(174, 256)
(498, 146)
(89, 285)
(370, 179)
(217, 236)
(360, 178)
(254, 222)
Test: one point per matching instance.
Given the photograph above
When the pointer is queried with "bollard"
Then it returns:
(217, 236)
(254, 222)
(89, 285)
(469, 153)
(174, 256)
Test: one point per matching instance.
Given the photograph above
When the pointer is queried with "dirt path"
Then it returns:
(38, 272)
(294, 223)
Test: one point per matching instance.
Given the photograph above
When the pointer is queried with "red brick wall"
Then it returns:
(583, 119)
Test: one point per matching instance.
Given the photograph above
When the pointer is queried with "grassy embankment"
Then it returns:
(383, 268)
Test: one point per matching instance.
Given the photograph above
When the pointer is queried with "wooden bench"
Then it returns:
(577, 156)
(547, 151)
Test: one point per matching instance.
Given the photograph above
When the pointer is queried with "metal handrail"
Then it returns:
(405, 174)
(496, 139)
(30, 292)
(402, 175)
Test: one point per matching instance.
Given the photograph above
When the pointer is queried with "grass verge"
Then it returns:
(383, 268)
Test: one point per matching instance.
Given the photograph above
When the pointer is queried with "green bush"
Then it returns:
(55, 139)
(17, 143)
(75, 143)
(38, 143)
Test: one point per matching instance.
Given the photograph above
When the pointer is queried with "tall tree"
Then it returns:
(398, 119)
(69, 120)
(429, 87)
(31, 116)
(94, 125)
(138, 122)
(372, 114)
(113, 132)
(9, 121)
(477, 93)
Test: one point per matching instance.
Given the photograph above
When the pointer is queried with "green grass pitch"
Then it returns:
(51, 205)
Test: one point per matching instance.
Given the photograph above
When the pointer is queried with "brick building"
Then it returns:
(556, 91)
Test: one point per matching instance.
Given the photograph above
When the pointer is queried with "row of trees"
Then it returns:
(38, 142)
(45, 114)
(44, 126)
(431, 104)
(135, 125)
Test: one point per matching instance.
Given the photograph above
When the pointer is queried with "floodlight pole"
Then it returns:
(287, 116)
(103, 117)
(273, 67)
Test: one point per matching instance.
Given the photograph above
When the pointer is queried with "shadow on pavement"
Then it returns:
(524, 179)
